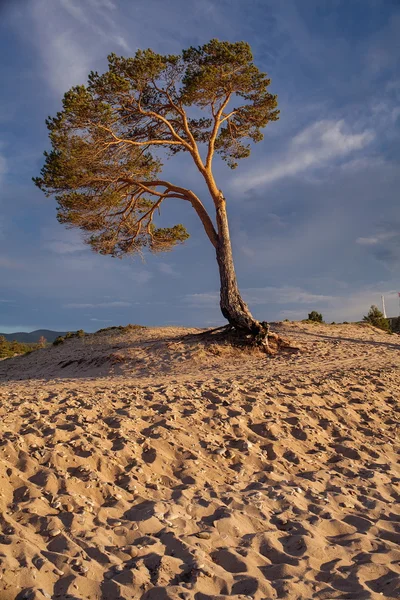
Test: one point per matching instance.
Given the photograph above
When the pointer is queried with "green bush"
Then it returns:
(315, 316)
(396, 325)
(68, 336)
(375, 317)
(121, 328)
(9, 349)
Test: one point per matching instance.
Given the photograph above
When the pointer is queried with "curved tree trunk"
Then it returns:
(234, 309)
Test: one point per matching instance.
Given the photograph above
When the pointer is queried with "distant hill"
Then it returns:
(33, 336)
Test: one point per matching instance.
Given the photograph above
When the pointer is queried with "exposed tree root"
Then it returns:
(267, 341)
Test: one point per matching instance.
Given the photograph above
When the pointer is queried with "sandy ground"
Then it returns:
(146, 466)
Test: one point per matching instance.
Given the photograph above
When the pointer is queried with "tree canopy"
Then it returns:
(105, 164)
(376, 318)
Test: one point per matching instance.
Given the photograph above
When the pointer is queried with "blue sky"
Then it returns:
(314, 211)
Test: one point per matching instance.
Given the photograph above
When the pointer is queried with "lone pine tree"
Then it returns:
(105, 164)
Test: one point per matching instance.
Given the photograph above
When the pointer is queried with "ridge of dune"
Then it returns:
(146, 465)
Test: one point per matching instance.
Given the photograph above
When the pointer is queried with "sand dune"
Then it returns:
(148, 466)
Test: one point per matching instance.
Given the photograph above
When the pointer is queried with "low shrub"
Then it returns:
(68, 336)
(121, 328)
(395, 325)
(10, 349)
(315, 316)
(375, 317)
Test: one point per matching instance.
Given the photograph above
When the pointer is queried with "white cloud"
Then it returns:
(65, 60)
(3, 166)
(361, 164)
(75, 10)
(60, 247)
(202, 300)
(141, 277)
(72, 39)
(350, 306)
(376, 239)
(168, 269)
(317, 145)
(257, 296)
(283, 295)
(383, 49)
(95, 15)
(9, 263)
(99, 305)
(107, 4)
(346, 306)
(62, 241)
(386, 110)
(3, 163)
(101, 320)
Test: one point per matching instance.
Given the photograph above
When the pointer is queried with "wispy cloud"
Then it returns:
(60, 247)
(202, 300)
(10, 263)
(98, 305)
(283, 295)
(101, 320)
(295, 302)
(167, 269)
(96, 15)
(384, 245)
(3, 164)
(65, 60)
(363, 163)
(71, 40)
(317, 145)
(257, 296)
(383, 51)
(351, 305)
(376, 239)
(62, 241)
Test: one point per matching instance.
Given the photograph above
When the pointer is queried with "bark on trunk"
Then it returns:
(234, 309)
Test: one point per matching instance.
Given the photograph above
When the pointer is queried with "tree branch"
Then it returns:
(119, 140)
(195, 152)
(178, 139)
(228, 116)
(182, 194)
(214, 132)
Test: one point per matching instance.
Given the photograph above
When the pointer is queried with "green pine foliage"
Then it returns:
(121, 328)
(14, 348)
(69, 335)
(395, 325)
(375, 317)
(315, 316)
